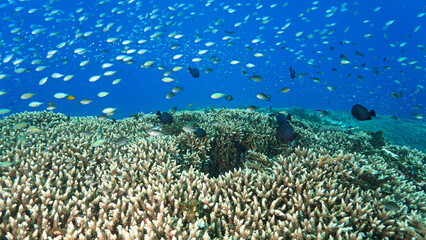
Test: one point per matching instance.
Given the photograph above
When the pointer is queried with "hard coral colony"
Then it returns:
(237, 182)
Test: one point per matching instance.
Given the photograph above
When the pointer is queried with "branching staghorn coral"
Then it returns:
(55, 184)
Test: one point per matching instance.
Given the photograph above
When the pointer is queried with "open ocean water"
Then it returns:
(371, 53)
(355, 67)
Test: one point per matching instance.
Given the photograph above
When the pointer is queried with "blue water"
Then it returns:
(313, 55)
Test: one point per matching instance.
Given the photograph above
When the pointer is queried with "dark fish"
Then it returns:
(285, 131)
(361, 113)
(342, 56)
(396, 94)
(200, 132)
(134, 115)
(359, 54)
(281, 118)
(229, 98)
(194, 72)
(165, 118)
(292, 73)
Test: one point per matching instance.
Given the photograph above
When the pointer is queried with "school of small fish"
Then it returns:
(107, 44)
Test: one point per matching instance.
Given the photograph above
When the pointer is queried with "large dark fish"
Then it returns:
(292, 73)
(281, 118)
(194, 72)
(165, 118)
(285, 131)
(199, 132)
(361, 113)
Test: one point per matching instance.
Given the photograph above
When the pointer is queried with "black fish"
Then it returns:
(397, 95)
(281, 118)
(229, 98)
(361, 113)
(285, 131)
(292, 73)
(199, 132)
(165, 118)
(194, 72)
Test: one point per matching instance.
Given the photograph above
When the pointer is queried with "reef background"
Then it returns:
(398, 131)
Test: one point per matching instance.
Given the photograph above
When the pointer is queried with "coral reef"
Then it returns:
(239, 182)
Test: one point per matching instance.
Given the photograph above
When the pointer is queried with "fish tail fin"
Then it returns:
(289, 117)
(158, 112)
(372, 113)
(295, 135)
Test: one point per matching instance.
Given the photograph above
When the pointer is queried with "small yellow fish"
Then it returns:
(109, 73)
(217, 95)
(103, 94)
(177, 89)
(170, 95)
(285, 90)
(20, 125)
(85, 101)
(98, 142)
(148, 64)
(344, 62)
(35, 104)
(167, 79)
(108, 110)
(116, 81)
(60, 95)
(33, 129)
(68, 77)
(178, 68)
(27, 95)
(94, 78)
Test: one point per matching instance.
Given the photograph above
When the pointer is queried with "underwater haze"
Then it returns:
(82, 57)
(140, 119)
